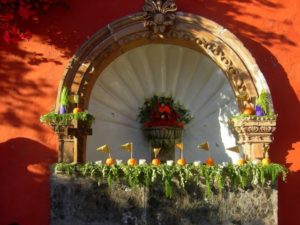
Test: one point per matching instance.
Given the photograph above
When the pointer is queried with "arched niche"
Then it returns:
(188, 31)
(189, 76)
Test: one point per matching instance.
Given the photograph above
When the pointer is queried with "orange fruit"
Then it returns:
(181, 162)
(109, 161)
(155, 162)
(131, 162)
(266, 161)
(210, 161)
(76, 110)
(249, 111)
(241, 162)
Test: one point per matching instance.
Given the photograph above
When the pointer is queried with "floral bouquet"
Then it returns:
(160, 111)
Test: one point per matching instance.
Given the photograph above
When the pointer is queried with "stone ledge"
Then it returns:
(80, 201)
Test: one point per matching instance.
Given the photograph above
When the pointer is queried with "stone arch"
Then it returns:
(181, 29)
(189, 30)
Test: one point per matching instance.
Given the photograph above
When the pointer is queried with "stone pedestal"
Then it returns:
(65, 146)
(255, 134)
(72, 141)
(80, 201)
(164, 138)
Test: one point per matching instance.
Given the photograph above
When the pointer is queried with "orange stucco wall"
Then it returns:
(30, 72)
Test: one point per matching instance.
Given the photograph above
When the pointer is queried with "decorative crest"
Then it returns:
(159, 14)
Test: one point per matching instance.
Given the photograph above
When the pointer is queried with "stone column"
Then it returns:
(79, 132)
(72, 141)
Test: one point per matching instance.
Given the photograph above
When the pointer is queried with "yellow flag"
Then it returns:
(103, 148)
(204, 146)
(156, 151)
(234, 149)
(127, 147)
(180, 146)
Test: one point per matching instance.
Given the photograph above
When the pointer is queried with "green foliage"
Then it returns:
(64, 97)
(263, 101)
(53, 118)
(210, 178)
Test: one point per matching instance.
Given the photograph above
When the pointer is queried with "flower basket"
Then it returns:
(163, 122)
(163, 137)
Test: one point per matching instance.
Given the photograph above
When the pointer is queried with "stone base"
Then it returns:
(80, 201)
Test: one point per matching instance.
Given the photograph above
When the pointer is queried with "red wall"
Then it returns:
(30, 73)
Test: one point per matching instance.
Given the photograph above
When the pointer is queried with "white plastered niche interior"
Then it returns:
(190, 77)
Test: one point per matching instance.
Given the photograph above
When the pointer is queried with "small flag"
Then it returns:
(234, 149)
(204, 146)
(127, 147)
(103, 148)
(180, 146)
(156, 151)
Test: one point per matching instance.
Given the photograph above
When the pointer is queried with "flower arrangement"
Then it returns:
(160, 111)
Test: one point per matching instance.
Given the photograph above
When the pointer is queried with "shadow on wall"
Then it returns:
(22, 92)
(286, 135)
(230, 14)
(24, 175)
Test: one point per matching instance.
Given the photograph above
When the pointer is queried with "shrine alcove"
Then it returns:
(196, 61)
(190, 77)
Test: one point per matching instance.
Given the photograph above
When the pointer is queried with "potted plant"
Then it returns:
(63, 100)
(262, 107)
(163, 120)
(68, 127)
(53, 119)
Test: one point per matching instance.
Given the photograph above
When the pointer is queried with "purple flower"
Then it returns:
(259, 111)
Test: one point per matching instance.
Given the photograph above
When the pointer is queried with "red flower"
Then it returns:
(164, 109)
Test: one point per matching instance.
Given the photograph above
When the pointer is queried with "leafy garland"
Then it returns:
(209, 178)
(53, 118)
(163, 111)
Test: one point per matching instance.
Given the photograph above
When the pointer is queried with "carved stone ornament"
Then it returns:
(159, 14)
(254, 134)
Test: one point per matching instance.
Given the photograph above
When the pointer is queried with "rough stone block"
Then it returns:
(81, 201)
